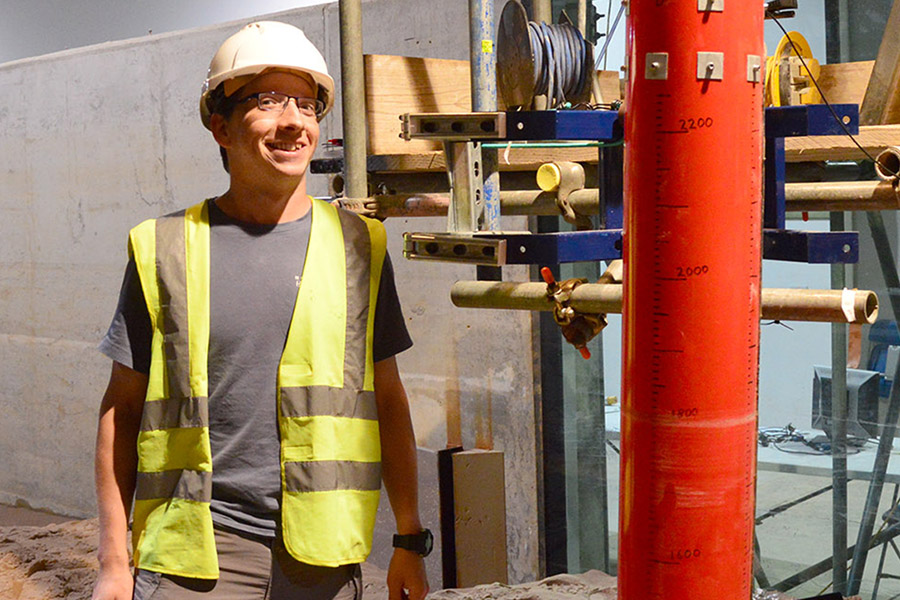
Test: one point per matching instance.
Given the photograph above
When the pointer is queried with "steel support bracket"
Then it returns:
(814, 247)
(496, 249)
(793, 121)
(534, 125)
(466, 212)
(565, 247)
(573, 125)
(453, 126)
(802, 246)
(486, 249)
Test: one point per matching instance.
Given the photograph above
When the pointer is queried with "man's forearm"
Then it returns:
(116, 462)
(398, 448)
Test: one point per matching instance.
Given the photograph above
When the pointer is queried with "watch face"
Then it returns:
(428, 542)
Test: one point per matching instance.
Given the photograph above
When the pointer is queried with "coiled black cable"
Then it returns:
(560, 58)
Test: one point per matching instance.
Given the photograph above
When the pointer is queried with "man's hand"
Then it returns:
(406, 578)
(113, 584)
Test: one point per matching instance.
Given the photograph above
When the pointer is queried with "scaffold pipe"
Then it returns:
(841, 195)
(887, 164)
(801, 197)
(824, 306)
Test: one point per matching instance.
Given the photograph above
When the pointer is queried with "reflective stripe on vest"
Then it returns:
(326, 401)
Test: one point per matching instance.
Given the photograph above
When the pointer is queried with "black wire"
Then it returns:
(840, 122)
(613, 446)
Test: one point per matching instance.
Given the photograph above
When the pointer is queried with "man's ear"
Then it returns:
(219, 127)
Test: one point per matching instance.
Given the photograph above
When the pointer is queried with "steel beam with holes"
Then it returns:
(516, 248)
(813, 247)
(518, 126)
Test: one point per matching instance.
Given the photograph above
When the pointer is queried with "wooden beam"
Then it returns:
(845, 83)
(400, 84)
(840, 147)
(881, 104)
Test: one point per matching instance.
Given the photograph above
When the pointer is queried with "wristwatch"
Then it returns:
(421, 543)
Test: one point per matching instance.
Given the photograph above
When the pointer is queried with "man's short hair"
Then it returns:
(220, 104)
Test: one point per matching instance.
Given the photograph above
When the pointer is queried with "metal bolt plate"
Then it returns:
(710, 65)
(657, 65)
(754, 68)
(710, 5)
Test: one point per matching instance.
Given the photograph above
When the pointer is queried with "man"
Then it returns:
(254, 403)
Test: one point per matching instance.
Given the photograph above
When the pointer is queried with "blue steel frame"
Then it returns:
(606, 243)
(802, 246)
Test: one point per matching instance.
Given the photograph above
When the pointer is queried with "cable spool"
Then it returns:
(536, 59)
(785, 85)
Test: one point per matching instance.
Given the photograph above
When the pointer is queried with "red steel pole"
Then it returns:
(691, 298)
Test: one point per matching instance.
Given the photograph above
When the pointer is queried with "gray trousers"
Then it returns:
(254, 570)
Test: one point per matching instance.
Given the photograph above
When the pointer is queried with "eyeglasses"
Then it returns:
(277, 102)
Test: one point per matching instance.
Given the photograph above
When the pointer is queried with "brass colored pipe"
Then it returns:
(513, 203)
(777, 304)
(887, 164)
(800, 197)
(841, 195)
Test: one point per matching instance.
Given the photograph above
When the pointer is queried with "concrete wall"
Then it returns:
(94, 140)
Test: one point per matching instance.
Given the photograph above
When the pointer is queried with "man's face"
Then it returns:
(269, 144)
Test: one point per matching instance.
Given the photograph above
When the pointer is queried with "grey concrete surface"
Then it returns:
(94, 140)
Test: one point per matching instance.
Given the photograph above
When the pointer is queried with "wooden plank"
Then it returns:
(845, 83)
(840, 147)
(610, 85)
(400, 84)
(881, 104)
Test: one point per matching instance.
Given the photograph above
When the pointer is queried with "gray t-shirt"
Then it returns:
(254, 274)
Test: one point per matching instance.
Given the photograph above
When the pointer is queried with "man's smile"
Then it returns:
(285, 146)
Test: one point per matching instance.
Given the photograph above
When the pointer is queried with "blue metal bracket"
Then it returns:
(566, 247)
(571, 125)
(793, 121)
(606, 243)
(814, 247)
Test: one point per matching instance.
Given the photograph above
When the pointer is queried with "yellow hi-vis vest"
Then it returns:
(330, 450)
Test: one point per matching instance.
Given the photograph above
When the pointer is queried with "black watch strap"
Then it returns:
(421, 543)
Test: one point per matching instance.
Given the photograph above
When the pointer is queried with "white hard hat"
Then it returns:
(262, 46)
